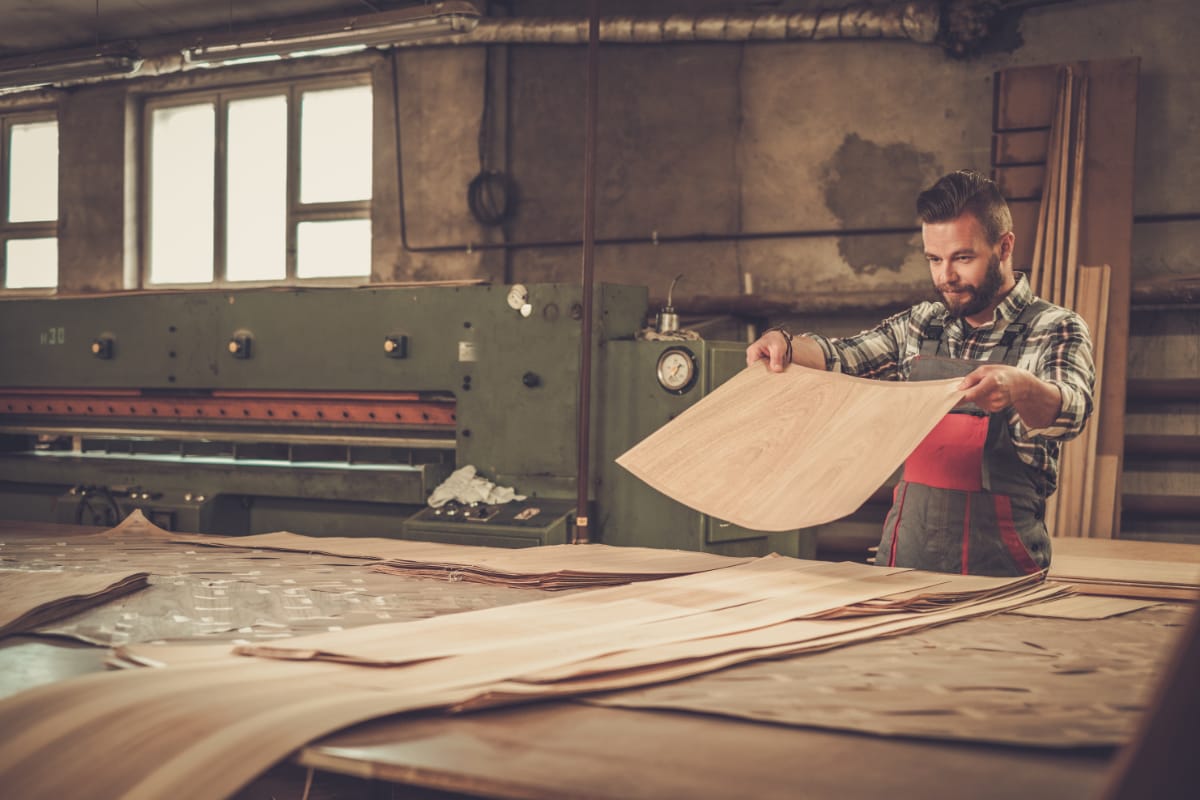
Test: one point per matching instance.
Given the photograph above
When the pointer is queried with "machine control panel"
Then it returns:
(520, 523)
(531, 513)
(470, 512)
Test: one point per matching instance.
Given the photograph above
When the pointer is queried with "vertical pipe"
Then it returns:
(583, 424)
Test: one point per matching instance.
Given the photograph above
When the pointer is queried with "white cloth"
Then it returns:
(465, 486)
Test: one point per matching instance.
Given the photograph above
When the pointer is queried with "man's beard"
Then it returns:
(975, 298)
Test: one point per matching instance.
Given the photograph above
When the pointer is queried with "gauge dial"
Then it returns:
(676, 370)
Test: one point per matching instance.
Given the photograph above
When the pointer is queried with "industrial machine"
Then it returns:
(338, 411)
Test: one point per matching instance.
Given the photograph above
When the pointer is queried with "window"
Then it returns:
(263, 184)
(29, 201)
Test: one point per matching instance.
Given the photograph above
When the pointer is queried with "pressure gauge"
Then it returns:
(676, 370)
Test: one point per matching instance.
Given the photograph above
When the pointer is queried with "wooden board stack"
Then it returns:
(1083, 505)
(1085, 502)
(1056, 242)
(203, 729)
(1150, 570)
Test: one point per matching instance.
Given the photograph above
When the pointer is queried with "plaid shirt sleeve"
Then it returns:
(874, 353)
(1064, 358)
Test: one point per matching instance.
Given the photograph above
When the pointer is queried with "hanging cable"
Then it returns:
(491, 195)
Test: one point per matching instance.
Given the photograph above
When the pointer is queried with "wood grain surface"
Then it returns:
(203, 729)
(781, 451)
(553, 567)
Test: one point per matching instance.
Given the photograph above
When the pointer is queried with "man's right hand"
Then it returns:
(773, 346)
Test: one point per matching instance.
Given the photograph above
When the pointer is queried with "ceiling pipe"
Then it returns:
(958, 26)
(916, 21)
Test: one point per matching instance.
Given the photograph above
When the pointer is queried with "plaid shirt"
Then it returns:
(1057, 349)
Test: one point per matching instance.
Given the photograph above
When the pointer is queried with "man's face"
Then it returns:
(970, 274)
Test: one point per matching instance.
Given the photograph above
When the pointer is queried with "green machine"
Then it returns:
(338, 411)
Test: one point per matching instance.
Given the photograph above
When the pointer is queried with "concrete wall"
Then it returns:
(772, 137)
(716, 139)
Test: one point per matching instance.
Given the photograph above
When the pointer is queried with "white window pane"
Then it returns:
(338, 249)
(256, 217)
(31, 263)
(33, 161)
(335, 145)
(181, 194)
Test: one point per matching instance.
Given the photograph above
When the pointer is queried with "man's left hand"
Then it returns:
(995, 387)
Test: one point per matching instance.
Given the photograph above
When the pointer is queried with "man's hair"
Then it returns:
(966, 191)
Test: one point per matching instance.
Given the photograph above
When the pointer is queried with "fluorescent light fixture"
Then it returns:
(64, 66)
(383, 28)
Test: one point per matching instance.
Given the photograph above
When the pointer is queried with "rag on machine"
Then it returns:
(464, 486)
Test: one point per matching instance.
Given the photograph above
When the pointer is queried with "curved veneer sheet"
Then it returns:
(779, 451)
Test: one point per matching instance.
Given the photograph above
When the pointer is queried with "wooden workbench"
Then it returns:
(571, 749)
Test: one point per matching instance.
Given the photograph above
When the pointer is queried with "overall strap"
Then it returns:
(1015, 331)
(1007, 351)
(930, 341)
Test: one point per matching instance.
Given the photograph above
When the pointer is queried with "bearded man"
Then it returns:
(972, 496)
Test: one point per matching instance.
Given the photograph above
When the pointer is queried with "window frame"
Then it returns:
(10, 231)
(296, 212)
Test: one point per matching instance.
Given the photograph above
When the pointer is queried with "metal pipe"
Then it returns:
(653, 239)
(920, 21)
(583, 424)
(1148, 219)
(914, 21)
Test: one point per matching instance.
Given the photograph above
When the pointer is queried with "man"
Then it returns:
(972, 495)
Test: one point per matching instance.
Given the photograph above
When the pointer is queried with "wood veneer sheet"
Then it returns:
(697, 657)
(765, 592)
(779, 451)
(1083, 607)
(562, 566)
(203, 730)
(671, 660)
(185, 733)
(1001, 679)
(136, 524)
(761, 592)
(369, 548)
(32, 598)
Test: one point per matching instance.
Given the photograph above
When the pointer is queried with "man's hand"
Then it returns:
(995, 387)
(773, 346)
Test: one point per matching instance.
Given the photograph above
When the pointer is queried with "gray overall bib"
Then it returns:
(966, 503)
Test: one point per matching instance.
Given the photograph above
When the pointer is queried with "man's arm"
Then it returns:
(1054, 401)
(873, 353)
(773, 346)
(994, 387)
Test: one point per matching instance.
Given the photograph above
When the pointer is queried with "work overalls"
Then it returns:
(966, 503)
